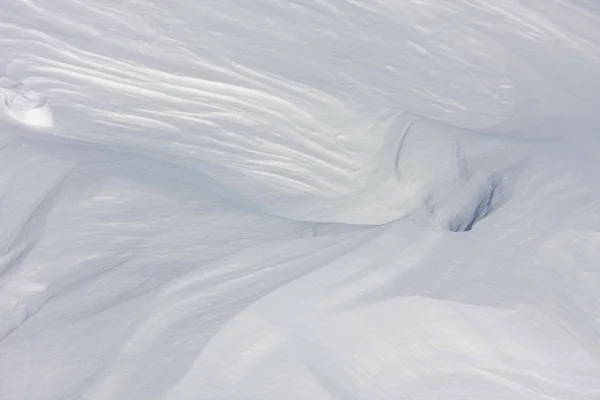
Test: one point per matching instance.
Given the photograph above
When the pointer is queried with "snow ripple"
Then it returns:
(216, 210)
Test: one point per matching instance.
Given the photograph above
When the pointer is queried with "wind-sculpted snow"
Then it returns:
(333, 199)
(24, 105)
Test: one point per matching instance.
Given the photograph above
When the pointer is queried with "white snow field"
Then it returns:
(300, 200)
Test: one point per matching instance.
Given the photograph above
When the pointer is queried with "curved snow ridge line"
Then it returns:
(286, 92)
(24, 215)
(130, 73)
(433, 94)
(121, 68)
(24, 105)
(188, 91)
(209, 297)
(231, 119)
(256, 336)
(18, 302)
(261, 340)
(438, 96)
(27, 282)
(413, 342)
(418, 171)
(340, 180)
(133, 72)
(291, 173)
(337, 287)
(570, 257)
(87, 13)
(576, 29)
(22, 203)
(24, 288)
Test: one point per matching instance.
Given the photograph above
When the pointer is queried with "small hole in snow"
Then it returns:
(488, 202)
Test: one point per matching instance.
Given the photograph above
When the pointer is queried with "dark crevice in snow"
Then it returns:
(489, 201)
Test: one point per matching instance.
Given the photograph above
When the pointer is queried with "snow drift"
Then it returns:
(334, 199)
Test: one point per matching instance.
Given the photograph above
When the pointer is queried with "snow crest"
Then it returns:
(333, 199)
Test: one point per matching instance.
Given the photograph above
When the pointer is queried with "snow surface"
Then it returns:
(324, 199)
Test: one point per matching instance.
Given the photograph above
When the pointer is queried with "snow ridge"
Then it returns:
(324, 199)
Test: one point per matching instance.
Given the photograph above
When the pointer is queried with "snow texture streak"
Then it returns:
(267, 199)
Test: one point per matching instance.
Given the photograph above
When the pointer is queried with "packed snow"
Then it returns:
(302, 199)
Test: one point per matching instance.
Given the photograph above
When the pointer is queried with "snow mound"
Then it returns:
(24, 105)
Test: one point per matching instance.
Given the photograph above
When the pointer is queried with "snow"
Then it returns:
(332, 199)
(24, 105)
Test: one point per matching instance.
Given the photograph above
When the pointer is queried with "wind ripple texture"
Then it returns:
(330, 199)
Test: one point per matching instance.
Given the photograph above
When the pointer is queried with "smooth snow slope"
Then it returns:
(326, 199)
